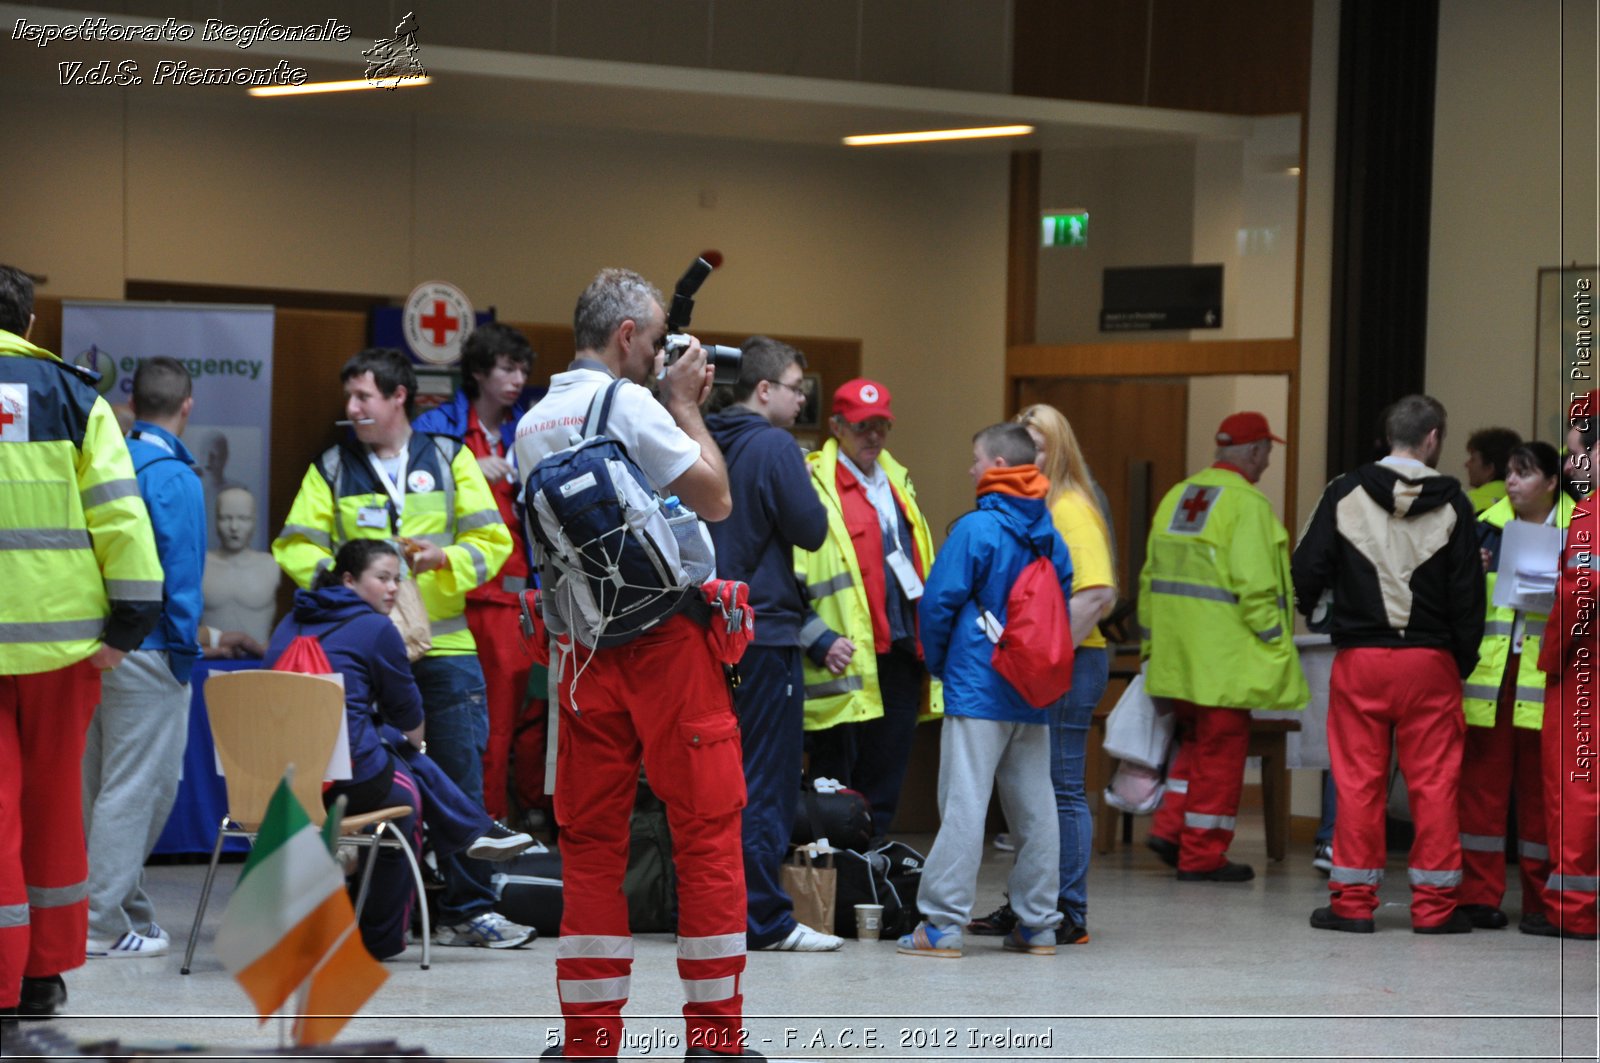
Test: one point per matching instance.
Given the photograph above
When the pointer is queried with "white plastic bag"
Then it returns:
(1135, 788)
(1135, 730)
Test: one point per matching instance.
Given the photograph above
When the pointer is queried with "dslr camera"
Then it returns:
(725, 361)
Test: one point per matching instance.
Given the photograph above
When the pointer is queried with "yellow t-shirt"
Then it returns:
(1079, 521)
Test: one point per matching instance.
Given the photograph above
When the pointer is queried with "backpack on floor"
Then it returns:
(618, 558)
(889, 875)
(650, 884)
(843, 817)
(528, 889)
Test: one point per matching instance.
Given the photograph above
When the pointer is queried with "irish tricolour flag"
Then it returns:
(289, 925)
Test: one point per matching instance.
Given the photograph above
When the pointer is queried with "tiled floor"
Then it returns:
(1174, 971)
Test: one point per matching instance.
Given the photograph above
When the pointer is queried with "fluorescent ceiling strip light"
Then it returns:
(925, 135)
(334, 86)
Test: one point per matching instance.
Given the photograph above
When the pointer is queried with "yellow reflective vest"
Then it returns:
(1482, 689)
(80, 563)
(831, 579)
(1215, 598)
(447, 502)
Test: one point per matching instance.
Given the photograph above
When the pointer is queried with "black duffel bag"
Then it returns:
(889, 875)
(528, 889)
(843, 817)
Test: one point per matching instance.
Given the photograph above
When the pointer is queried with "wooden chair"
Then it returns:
(264, 721)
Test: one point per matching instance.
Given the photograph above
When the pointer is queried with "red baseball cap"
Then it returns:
(1247, 427)
(861, 400)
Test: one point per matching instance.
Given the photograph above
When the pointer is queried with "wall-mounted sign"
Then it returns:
(1161, 297)
(437, 317)
(1064, 228)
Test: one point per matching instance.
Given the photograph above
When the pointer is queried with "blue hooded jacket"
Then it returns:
(173, 495)
(365, 647)
(979, 562)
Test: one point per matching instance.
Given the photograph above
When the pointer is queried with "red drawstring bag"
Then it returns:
(1034, 652)
(304, 654)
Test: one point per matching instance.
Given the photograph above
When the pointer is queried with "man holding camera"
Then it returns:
(661, 697)
(776, 512)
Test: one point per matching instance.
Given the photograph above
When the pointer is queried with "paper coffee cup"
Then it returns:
(869, 921)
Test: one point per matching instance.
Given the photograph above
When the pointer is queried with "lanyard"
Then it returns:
(396, 487)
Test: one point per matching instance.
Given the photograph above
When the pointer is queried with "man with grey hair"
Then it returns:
(1397, 545)
(660, 698)
(1218, 639)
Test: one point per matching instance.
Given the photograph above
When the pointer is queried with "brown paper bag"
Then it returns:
(411, 617)
(811, 882)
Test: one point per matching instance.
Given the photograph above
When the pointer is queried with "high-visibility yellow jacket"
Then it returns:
(1215, 598)
(80, 563)
(447, 502)
(831, 576)
(1482, 689)
(1485, 495)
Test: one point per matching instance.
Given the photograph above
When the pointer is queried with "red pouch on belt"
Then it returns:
(732, 623)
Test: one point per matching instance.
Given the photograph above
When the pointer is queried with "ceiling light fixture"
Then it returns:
(334, 86)
(925, 135)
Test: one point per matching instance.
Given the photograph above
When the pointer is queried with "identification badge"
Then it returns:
(905, 573)
(372, 517)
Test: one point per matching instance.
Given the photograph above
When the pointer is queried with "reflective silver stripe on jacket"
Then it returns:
(439, 539)
(813, 630)
(1533, 850)
(57, 896)
(817, 591)
(591, 990)
(513, 584)
(1573, 883)
(1530, 694)
(1533, 629)
(134, 590)
(1497, 627)
(1419, 877)
(45, 539)
(1483, 843)
(13, 915)
(1178, 786)
(480, 564)
(52, 631)
(1203, 821)
(708, 990)
(1193, 590)
(712, 947)
(1271, 634)
(110, 491)
(315, 536)
(482, 519)
(594, 947)
(842, 685)
(1481, 691)
(1356, 876)
(448, 627)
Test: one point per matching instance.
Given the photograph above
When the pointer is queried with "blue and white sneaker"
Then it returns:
(489, 930)
(131, 945)
(928, 940)
(1034, 941)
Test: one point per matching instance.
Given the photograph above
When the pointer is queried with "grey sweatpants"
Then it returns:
(976, 756)
(131, 765)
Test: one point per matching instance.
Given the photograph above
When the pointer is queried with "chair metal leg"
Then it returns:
(422, 895)
(367, 866)
(205, 897)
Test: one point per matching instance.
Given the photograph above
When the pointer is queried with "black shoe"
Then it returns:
(1228, 872)
(701, 1052)
(1485, 916)
(1069, 933)
(1458, 923)
(997, 924)
(41, 997)
(499, 843)
(1168, 851)
(1324, 919)
(554, 1052)
(1538, 924)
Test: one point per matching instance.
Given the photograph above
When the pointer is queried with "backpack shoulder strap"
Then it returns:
(594, 423)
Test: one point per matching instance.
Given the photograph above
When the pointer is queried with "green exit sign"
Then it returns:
(1065, 229)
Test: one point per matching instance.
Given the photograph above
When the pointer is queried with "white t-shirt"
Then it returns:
(661, 449)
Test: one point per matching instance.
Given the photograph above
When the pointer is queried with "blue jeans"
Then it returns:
(457, 732)
(1069, 734)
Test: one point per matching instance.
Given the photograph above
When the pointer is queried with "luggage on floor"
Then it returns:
(842, 816)
(528, 889)
(889, 875)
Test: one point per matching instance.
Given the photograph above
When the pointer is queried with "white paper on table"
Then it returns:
(1530, 562)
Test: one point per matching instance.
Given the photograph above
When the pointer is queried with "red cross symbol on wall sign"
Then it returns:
(440, 323)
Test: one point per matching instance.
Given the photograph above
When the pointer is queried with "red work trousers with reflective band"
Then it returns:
(661, 698)
(1204, 784)
(506, 657)
(1409, 699)
(44, 865)
(1499, 761)
(1572, 798)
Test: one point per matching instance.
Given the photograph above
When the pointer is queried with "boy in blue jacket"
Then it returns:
(992, 736)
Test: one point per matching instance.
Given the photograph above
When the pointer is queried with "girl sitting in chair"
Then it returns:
(347, 611)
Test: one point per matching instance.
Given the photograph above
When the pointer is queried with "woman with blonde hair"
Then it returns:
(1077, 517)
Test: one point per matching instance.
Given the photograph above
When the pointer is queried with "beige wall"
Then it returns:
(1513, 190)
(904, 251)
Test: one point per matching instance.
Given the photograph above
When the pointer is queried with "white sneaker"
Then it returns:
(803, 939)
(155, 930)
(488, 930)
(1004, 843)
(128, 945)
(499, 842)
